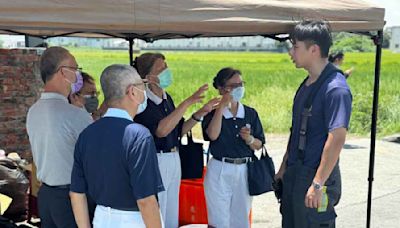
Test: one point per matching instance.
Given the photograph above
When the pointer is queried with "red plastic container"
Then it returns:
(192, 202)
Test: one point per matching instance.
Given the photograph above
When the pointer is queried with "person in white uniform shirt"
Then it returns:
(235, 132)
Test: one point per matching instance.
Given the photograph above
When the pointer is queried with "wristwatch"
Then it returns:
(197, 119)
(317, 186)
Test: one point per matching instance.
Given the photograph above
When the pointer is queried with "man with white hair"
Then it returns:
(115, 159)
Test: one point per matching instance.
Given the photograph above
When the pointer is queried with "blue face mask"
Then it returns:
(165, 78)
(237, 94)
(142, 106)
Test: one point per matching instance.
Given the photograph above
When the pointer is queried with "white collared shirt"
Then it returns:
(157, 100)
(240, 112)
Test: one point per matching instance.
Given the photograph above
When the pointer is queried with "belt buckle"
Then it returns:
(237, 161)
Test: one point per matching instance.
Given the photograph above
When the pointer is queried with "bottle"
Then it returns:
(324, 202)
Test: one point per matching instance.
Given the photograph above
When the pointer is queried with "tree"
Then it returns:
(386, 38)
(347, 42)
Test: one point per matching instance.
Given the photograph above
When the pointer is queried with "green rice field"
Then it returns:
(271, 81)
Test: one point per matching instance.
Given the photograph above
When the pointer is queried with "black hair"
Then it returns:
(87, 78)
(313, 32)
(223, 76)
(144, 63)
(334, 56)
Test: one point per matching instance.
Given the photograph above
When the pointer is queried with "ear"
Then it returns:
(222, 91)
(315, 50)
(131, 92)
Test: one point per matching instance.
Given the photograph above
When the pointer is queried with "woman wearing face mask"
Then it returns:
(87, 97)
(235, 132)
(166, 123)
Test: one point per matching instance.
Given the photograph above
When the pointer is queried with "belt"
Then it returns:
(236, 161)
(126, 208)
(172, 150)
(65, 186)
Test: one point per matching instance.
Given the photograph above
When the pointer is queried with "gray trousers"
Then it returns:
(296, 181)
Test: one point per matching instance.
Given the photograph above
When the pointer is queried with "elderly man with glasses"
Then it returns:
(53, 127)
(116, 159)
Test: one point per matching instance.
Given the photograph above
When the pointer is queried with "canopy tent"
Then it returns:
(160, 19)
(165, 19)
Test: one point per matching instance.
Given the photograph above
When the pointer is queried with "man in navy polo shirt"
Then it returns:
(311, 176)
(115, 159)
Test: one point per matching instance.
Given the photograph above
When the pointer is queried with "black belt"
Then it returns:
(65, 186)
(171, 150)
(236, 161)
(126, 208)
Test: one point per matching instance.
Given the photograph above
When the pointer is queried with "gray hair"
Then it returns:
(115, 79)
(50, 61)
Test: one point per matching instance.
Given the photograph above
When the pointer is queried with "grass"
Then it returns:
(271, 81)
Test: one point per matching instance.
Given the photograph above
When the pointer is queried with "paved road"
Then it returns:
(354, 163)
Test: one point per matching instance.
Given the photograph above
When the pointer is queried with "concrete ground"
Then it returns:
(354, 162)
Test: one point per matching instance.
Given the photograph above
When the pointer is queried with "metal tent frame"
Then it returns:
(377, 39)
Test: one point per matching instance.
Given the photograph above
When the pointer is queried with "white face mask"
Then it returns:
(237, 93)
(142, 106)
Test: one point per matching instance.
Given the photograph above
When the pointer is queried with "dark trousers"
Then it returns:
(296, 181)
(55, 208)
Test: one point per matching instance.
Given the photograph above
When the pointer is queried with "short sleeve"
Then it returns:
(82, 120)
(337, 108)
(145, 177)
(78, 180)
(204, 124)
(258, 131)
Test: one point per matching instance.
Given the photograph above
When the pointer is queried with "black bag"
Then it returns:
(260, 174)
(192, 159)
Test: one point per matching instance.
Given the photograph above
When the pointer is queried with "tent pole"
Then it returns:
(130, 40)
(378, 42)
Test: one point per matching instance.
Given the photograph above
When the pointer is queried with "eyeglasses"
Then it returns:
(235, 85)
(70, 67)
(89, 95)
(144, 82)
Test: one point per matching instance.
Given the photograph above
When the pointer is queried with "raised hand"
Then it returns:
(225, 100)
(197, 97)
(209, 106)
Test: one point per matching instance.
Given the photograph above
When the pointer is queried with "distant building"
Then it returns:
(395, 39)
(12, 41)
(247, 43)
(250, 43)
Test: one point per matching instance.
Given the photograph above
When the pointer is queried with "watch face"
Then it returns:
(317, 186)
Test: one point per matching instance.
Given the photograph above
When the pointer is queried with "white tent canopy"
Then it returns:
(160, 19)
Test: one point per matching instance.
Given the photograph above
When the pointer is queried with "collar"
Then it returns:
(51, 95)
(240, 113)
(118, 113)
(154, 97)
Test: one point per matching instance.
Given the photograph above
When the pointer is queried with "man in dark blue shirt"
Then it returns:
(310, 170)
(115, 159)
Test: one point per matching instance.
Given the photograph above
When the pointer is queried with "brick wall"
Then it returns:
(20, 87)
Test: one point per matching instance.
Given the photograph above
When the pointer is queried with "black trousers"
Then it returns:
(55, 208)
(296, 181)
